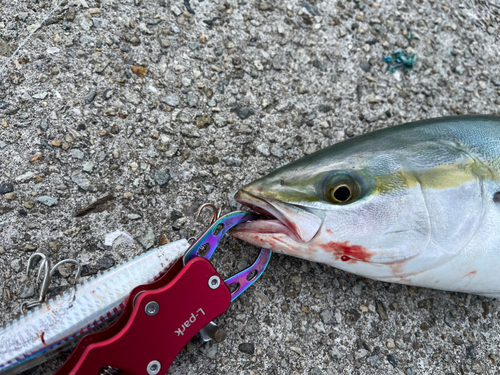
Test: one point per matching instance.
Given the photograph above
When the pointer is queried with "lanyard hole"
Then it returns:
(218, 229)
(252, 275)
(204, 249)
(234, 287)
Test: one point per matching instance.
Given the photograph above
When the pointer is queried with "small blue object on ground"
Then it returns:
(400, 60)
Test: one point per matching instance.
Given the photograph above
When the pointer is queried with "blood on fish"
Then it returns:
(397, 267)
(347, 252)
(471, 274)
(43, 338)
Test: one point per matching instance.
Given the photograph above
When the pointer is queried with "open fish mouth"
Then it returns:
(279, 218)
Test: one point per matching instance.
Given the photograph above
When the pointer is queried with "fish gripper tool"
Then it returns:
(160, 318)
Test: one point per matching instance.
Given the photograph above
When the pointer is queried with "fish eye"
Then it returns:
(341, 193)
(344, 191)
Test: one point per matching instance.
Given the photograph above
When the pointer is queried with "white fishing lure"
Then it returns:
(59, 323)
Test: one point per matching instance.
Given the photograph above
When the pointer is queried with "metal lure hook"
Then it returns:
(48, 272)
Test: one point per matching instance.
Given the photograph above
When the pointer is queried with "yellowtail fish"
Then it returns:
(416, 204)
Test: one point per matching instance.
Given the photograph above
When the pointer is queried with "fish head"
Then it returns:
(367, 205)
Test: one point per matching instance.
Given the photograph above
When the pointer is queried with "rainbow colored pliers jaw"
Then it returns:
(159, 318)
(207, 243)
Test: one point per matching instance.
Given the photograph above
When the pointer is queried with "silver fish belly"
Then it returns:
(59, 323)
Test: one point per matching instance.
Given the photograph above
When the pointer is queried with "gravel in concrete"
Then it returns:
(167, 107)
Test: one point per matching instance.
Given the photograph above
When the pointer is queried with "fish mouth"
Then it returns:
(279, 218)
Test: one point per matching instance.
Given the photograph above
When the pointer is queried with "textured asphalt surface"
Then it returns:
(166, 106)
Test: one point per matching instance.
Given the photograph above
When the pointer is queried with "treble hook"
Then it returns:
(215, 212)
(47, 278)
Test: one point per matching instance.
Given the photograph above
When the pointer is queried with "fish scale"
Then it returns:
(30, 339)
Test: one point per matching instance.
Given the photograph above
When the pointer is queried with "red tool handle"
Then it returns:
(155, 324)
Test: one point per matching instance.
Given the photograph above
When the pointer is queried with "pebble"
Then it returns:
(101, 67)
(171, 100)
(245, 112)
(88, 167)
(134, 166)
(374, 361)
(203, 121)
(315, 371)
(277, 151)
(25, 177)
(296, 350)
(476, 367)
(247, 348)
(161, 177)
(293, 286)
(164, 42)
(392, 360)
(107, 94)
(302, 90)
(382, 312)
(148, 239)
(125, 48)
(29, 247)
(220, 121)
(16, 265)
(105, 263)
(358, 287)
(327, 317)
(77, 154)
(5, 49)
(28, 292)
(209, 157)
(175, 10)
(29, 205)
(47, 200)
(190, 132)
(263, 149)
(352, 316)
(252, 326)
(44, 124)
(233, 161)
(89, 98)
(449, 319)
(365, 66)
(288, 143)
(81, 181)
(471, 351)
(54, 246)
(10, 196)
(6, 188)
(192, 100)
